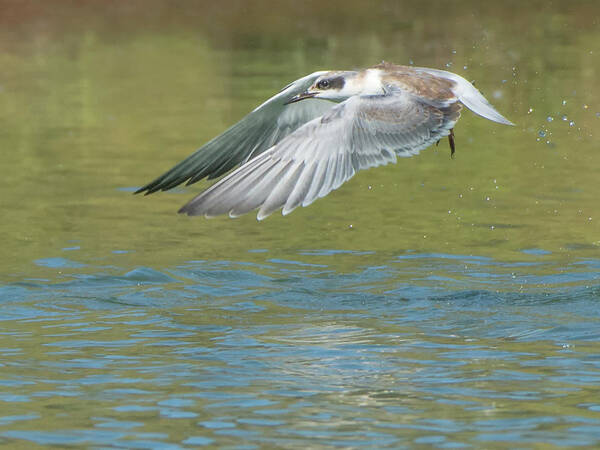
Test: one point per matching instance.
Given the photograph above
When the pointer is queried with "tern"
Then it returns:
(320, 130)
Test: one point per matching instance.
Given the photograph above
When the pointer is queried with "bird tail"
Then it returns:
(471, 97)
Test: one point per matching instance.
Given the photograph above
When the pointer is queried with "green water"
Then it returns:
(436, 302)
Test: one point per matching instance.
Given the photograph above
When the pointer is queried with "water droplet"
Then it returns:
(454, 51)
(564, 118)
(465, 67)
(492, 227)
(549, 118)
(530, 111)
(487, 199)
(571, 123)
(370, 187)
(449, 64)
(449, 211)
(598, 114)
(585, 107)
(542, 133)
(564, 102)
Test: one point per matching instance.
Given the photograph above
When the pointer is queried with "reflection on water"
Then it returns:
(424, 349)
(436, 302)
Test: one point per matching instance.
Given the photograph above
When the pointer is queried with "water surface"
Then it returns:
(435, 303)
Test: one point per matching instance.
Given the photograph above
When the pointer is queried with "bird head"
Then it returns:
(335, 86)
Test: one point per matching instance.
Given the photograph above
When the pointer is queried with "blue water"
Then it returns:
(432, 350)
(126, 325)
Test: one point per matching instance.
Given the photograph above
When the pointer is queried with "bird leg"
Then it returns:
(451, 140)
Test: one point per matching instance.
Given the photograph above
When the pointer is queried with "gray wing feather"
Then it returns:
(261, 129)
(320, 156)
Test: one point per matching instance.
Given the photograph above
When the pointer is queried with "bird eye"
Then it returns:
(323, 84)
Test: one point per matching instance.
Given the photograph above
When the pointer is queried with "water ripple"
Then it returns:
(423, 349)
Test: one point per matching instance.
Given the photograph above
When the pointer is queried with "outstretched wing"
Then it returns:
(255, 133)
(362, 132)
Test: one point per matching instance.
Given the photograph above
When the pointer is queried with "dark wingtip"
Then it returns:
(149, 188)
(146, 190)
(184, 209)
(159, 185)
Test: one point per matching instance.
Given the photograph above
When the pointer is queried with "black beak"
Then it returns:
(299, 97)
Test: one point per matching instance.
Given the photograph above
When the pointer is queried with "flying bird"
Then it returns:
(320, 130)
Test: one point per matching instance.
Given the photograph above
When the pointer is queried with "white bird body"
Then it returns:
(319, 131)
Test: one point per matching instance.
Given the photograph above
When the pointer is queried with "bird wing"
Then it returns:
(255, 133)
(359, 133)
